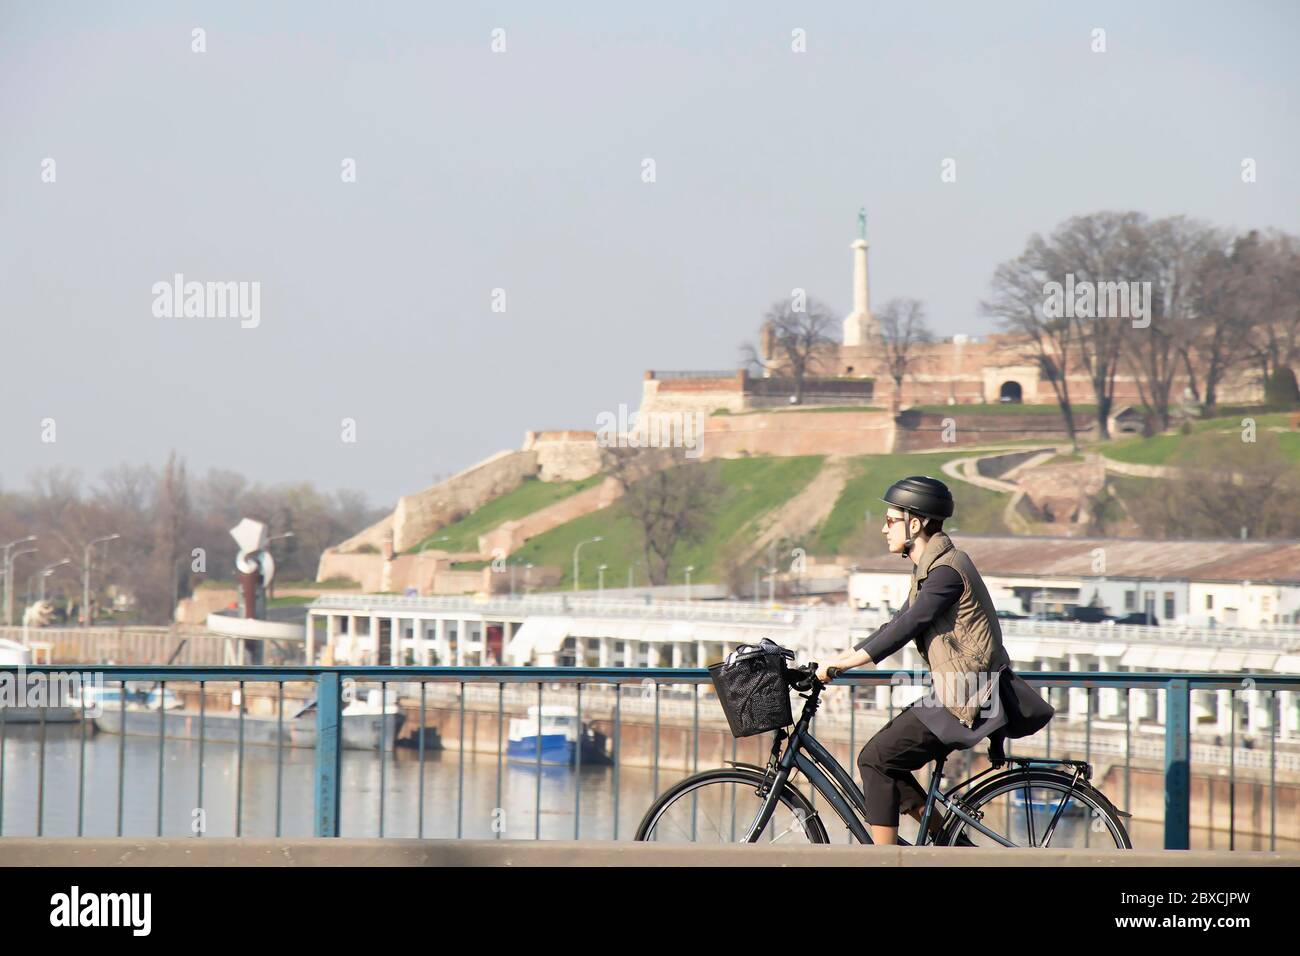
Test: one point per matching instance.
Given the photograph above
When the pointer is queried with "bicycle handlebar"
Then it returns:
(804, 678)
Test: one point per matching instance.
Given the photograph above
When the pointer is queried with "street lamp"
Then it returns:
(12, 562)
(8, 572)
(47, 571)
(689, 569)
(600, 571)
(85, 577)
(575, 557)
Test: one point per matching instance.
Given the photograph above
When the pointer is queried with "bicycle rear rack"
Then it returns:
(1081, 767)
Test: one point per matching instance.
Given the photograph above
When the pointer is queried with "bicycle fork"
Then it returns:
(775, 776)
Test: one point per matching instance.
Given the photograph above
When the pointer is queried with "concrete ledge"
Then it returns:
(229, 851)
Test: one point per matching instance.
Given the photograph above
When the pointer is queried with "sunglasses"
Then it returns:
(890, 519)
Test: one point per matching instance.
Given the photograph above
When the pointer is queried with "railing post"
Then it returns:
(1178, 744)
(329, 753)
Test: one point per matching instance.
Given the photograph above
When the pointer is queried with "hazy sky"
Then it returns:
(522, 170)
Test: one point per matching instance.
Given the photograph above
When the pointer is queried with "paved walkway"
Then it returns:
(229, 851)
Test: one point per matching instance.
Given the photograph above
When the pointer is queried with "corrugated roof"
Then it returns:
(1271, 562)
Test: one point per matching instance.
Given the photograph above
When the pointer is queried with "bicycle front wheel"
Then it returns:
(722, 806)
(1040, 808)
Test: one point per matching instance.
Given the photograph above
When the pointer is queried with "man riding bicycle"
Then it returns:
(952, 621)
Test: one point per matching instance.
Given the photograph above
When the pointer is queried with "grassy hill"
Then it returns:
(1001, 408)
(531, 496)
(753, 488)
(977, 509)
(1160, 449)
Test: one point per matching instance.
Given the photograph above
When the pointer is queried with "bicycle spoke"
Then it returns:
(706, 814)
(1051, 827)
(796, 825)
(1072, 811)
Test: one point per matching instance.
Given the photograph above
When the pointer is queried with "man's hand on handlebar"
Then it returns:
(828, 673)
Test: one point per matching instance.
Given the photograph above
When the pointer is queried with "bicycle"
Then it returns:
(722, 800)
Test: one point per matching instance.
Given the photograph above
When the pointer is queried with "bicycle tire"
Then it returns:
(1017, 780)
(790, 797)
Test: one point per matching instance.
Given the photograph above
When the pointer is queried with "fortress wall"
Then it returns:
(565, 455)
(460, 582)
(926, 430)
(786, 434)
(366, 569)
(691, 395)
(1064, 480)
(511, 535)
(972, 372)
(375, 536)
(1060, 492)
(418, 516)
(431, 574)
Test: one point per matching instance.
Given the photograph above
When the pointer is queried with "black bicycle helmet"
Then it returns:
(921, 495)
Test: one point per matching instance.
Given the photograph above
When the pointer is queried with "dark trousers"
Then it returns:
(886, 762)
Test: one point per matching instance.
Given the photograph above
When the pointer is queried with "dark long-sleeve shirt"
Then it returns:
(937, 593)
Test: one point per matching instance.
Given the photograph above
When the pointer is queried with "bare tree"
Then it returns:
(902, 330)
(1220, 329)
(172, 517)
(1105, 250)
(1176, 252)
(1052, 344)
(1269, 290)
(801, 333)
(670, 506)
(751, 359)
(161, 517)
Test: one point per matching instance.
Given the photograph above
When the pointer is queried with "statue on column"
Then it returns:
(254, 567)
(862, 222)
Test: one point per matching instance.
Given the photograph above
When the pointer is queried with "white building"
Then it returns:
(555, 630)
(1253, 584)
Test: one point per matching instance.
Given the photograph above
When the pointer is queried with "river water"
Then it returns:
(456, 803)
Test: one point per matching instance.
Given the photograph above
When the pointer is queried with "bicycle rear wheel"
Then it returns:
(720, 806)
(1040, 808)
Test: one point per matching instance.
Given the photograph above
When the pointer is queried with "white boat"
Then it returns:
(368, 723)
(13, 654)
(365, 723)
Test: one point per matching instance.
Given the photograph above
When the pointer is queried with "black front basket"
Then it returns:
(752, 688)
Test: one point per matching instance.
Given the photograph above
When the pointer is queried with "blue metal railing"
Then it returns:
(327, 685)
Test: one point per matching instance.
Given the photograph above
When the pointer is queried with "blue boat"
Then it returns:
(1044, 805)
(559, 739)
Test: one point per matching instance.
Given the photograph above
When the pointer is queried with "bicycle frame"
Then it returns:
(807, 755)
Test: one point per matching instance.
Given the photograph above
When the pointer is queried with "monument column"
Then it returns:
(860, 326)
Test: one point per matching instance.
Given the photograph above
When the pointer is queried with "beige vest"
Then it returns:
(962, 646)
